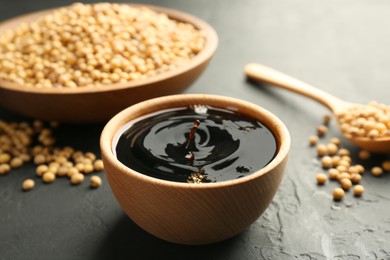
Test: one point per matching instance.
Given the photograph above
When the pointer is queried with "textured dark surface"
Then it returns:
(340, 46)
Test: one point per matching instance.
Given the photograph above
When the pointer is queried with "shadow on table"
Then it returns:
(128, 241)
(264, 87)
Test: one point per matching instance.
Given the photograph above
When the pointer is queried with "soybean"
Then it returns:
(28, 184)
(95, 181)
(338, 194)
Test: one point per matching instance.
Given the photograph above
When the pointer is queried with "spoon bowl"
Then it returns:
(337, 106)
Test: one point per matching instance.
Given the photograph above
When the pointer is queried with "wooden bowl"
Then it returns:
(188, 213)
(86, 105)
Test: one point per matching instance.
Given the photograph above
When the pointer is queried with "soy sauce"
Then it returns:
(195, 144)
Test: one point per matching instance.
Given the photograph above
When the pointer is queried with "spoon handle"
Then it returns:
(263, 73)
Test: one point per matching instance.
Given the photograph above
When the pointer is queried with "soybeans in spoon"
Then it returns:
(367, 126)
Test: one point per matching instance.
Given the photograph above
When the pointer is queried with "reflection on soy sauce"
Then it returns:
(188, 145)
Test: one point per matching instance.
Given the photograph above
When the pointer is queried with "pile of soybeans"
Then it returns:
(337, 162)
(87, 45)
(23, 142)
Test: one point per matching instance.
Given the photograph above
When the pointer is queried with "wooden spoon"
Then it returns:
(337, 106)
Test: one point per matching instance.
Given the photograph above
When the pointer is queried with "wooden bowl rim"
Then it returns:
(145, 107)
(205, 54)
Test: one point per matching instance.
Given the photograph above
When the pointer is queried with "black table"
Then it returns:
(340, 46)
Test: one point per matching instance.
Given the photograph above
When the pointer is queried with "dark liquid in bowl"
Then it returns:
(224, 145)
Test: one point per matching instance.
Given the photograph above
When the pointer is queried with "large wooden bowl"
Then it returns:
(187, 213)
(85, 105)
